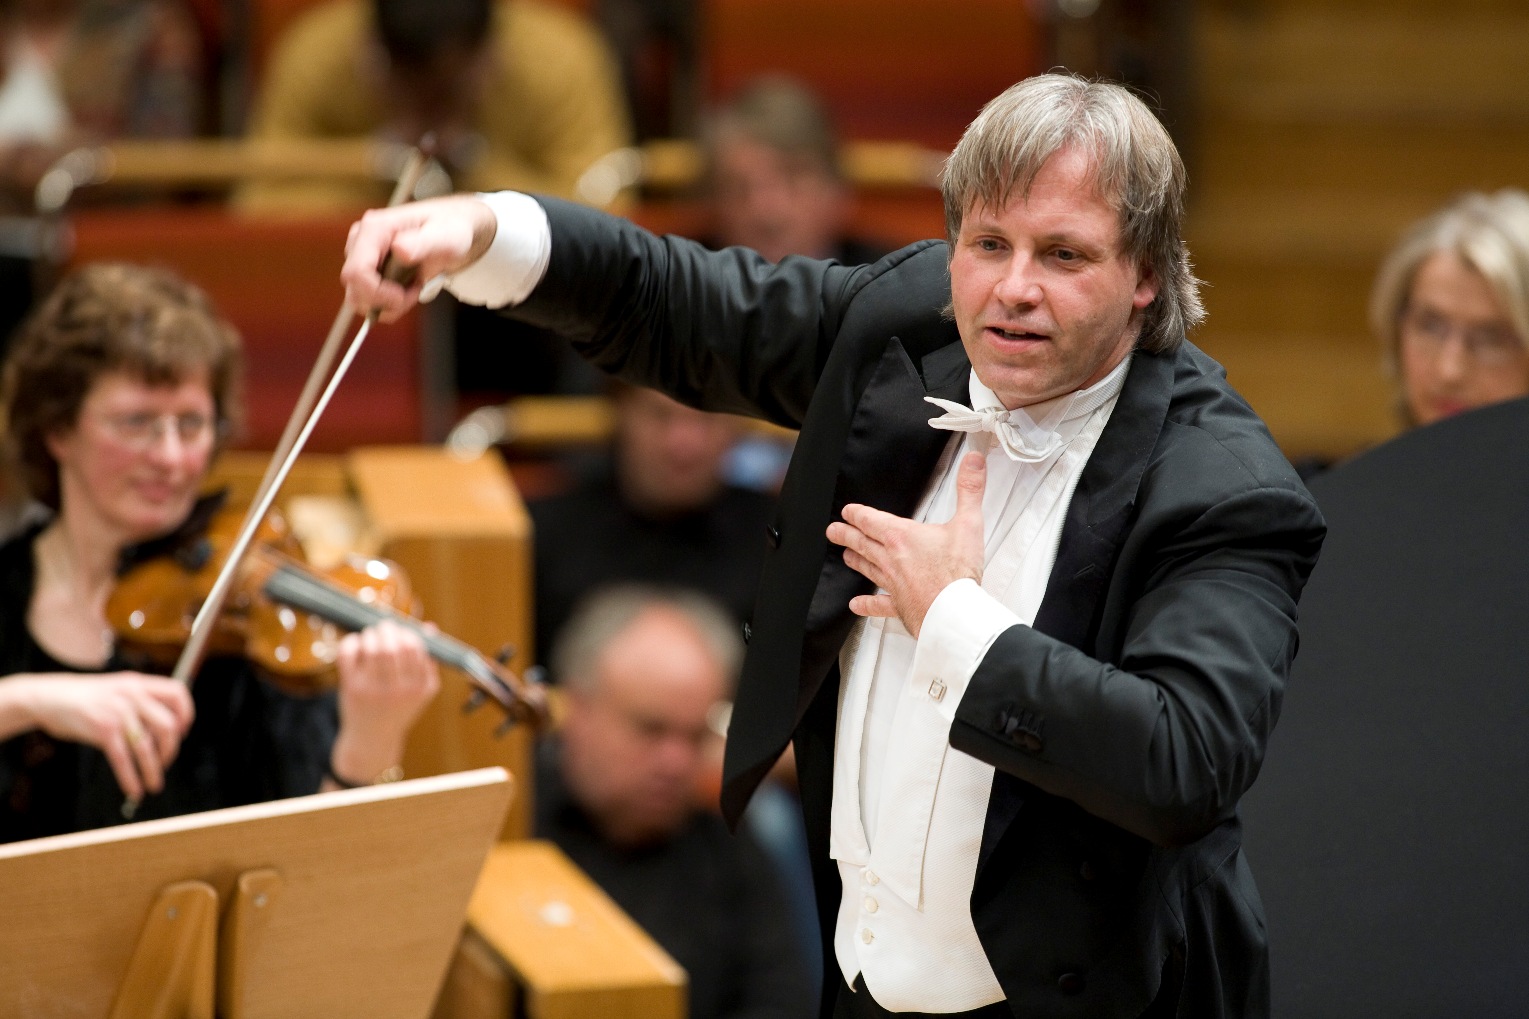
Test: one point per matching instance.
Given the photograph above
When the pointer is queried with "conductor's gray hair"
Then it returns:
(1137, 170)
(604, 615)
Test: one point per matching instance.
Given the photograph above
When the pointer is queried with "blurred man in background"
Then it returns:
(516, 93)
(645, 673)
(658, 511)
(774, 179)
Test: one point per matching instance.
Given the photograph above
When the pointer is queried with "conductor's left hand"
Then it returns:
(913, 562)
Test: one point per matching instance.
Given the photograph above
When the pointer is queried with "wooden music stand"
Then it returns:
(339, 904)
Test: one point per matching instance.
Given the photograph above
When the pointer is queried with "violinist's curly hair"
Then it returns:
(103, 318)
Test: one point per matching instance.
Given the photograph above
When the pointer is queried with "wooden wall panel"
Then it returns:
(917, 70)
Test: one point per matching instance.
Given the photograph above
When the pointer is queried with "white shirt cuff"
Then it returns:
(517, 259)
(957, 631)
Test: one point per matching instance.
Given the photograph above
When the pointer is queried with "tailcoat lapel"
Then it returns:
(888, 457)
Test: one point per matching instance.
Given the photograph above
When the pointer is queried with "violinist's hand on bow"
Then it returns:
(137, 721)
(911, 561)
(438, 235)
(386, 679)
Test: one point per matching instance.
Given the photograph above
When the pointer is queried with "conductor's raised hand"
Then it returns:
(911, 561)
(436, 236)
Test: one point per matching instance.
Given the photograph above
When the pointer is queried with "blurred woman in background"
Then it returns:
(1451, 305)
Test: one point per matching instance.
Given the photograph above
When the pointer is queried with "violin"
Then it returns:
(282, 614)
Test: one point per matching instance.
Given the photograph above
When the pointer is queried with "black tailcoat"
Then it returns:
(1124, 725)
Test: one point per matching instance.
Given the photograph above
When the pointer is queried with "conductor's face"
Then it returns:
(1044, 295)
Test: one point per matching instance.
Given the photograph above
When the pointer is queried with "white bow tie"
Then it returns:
(1020, 436)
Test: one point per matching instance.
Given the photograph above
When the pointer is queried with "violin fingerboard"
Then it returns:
(293, 587)
(309, 594)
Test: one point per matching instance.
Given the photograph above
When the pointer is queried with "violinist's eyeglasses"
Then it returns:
(145, 431)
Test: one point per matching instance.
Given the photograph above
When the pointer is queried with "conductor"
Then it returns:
(1030, 597)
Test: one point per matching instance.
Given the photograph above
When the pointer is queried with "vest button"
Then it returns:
(871, 905)
(867, 936)
(772, 535)
(871, 878)
(1070, 983)
(748, 632)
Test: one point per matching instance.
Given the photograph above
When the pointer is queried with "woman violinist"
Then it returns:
(117, 394)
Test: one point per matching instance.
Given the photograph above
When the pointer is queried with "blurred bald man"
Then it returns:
(646, 672)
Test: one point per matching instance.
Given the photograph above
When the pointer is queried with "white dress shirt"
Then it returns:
(906, 826)
(908, 811)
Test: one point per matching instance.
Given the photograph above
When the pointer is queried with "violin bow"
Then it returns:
(414, 168)
(311, 404)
